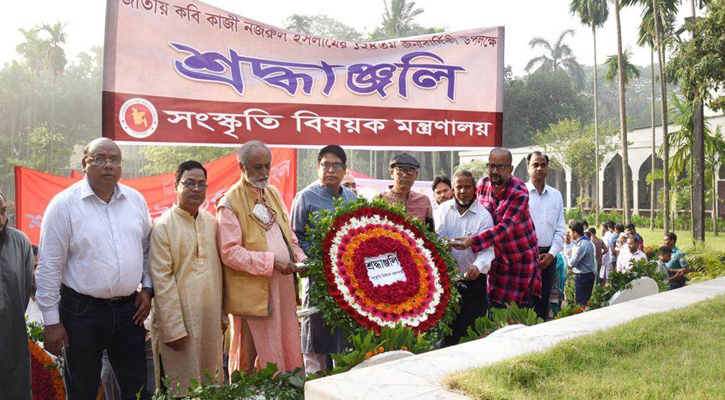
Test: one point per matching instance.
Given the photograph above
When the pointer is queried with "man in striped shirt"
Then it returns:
(515, 275)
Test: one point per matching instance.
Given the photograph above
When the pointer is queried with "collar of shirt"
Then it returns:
(329, 191)
(183, 212)
(87, 191)
(532, 189)
(453, 207)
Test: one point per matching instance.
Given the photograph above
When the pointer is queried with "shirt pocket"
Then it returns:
(552, 216)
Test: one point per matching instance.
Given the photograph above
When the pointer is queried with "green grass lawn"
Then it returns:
(674, 355)
(684, 238)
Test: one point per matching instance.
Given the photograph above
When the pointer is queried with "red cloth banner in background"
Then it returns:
(34, 189)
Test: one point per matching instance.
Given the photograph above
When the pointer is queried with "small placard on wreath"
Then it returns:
(371, 268)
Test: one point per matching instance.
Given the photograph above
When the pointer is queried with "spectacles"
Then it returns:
(336, 165)
(406, 171)
(191, 185)
(102, 162)
(499, 167)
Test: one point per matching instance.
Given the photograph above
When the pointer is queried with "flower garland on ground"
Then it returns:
(423, 297)
(46, 379)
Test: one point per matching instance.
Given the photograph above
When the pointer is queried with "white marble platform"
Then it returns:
(420, 377)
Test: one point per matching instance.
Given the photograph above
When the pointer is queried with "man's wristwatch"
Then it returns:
(150, 290)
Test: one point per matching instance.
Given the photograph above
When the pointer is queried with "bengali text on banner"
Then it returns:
(183, 72)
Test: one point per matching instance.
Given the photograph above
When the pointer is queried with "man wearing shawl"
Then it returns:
(259, 250)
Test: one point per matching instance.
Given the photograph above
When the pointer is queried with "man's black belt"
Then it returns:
(543, 250)
(66, 291)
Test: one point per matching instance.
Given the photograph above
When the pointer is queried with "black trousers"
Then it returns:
(94, 325)
(474, 304)
(541, 306)
(583, 285)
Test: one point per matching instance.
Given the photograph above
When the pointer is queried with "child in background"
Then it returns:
(664, 257)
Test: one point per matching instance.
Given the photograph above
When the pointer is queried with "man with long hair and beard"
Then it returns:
(16, 280)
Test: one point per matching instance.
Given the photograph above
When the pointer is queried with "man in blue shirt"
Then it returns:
(677, 266)
(317, 339)
(583, 264)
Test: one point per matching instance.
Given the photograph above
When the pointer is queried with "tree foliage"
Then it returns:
(557, 56)
(165, 159)
(631, 72)
(322, 26)
(572, 144)
(533, 102)
(699, 64)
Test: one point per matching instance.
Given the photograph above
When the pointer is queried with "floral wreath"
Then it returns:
(47, 382)
(371, 268)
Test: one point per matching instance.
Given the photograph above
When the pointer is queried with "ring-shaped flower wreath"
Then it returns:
(425, 299)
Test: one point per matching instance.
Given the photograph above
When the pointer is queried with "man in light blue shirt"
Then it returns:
(463, 216)
(583, 264)
(317, 339)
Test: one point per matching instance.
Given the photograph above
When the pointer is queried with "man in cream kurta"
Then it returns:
(259, 248)
(187, 275)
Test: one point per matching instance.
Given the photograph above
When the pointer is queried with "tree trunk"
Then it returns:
(698, 160)
(664, 117)
(698, 175)
(652, 185)
(715, 210)
(595, 199)
(627, 179)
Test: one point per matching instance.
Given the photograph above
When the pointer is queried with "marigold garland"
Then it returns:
(47, 382)
(424, 300)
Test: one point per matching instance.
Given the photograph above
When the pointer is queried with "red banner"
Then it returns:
(34, 189)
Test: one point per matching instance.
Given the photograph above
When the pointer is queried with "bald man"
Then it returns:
(515, 274)
(94, 246)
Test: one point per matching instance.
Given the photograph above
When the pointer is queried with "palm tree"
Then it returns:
(299, 23)
(398, 17)
(683, 141)
(33, 50)
(55, 62)
(631, 72)
(658, 16)
(648, 36)
(622, 117)
(593, 13)
(557, 56)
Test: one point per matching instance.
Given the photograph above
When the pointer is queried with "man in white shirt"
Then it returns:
(463, 216)
(94, 246)
(547, 210)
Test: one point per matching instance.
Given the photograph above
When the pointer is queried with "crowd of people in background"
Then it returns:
(127, 303)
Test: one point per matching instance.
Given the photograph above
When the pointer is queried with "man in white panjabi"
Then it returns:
(187, 274)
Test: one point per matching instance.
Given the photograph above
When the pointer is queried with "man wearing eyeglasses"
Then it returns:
(259, 251)
(515, 275)
(404, 170)
(94, 246)
(317, 339)
(547, 210)
(187, 276)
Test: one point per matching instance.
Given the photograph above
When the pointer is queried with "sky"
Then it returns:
(523, 20)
